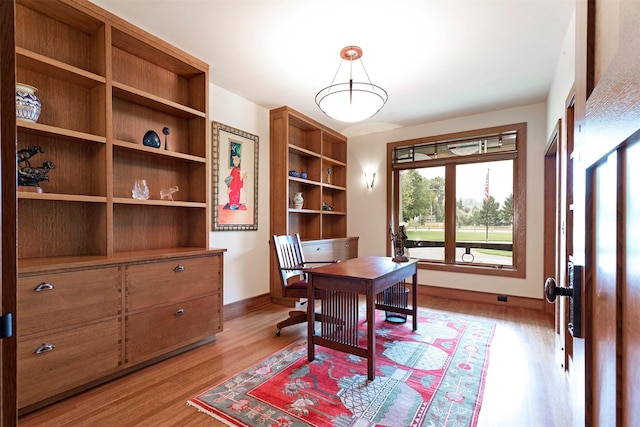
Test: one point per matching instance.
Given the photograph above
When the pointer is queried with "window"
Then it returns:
(461, 198)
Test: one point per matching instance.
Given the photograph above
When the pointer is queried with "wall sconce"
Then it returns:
(369, 179)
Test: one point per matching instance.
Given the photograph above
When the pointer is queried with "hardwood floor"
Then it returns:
(524, 386)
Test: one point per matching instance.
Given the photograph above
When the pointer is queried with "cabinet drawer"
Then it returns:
(55, 300)
(322, 251)
(163, 282)
(80, 355)
(162, 329)
(330, 250)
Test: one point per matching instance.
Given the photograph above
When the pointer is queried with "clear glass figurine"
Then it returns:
(140, 190)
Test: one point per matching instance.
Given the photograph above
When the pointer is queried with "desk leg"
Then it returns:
(311, 320)
(414, 299)
(371, 336)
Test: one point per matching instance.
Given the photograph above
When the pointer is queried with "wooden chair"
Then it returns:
(293, 269)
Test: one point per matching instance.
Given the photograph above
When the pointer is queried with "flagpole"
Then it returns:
(486, 208)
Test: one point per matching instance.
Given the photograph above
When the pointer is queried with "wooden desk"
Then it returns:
(339, 286)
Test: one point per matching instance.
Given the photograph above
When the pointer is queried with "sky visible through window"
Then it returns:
(470, 185)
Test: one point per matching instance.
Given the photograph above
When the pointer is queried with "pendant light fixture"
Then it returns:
(351, 101)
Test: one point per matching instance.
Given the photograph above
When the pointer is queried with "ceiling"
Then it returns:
(437, 59)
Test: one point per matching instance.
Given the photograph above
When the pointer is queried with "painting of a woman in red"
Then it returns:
(235, 180)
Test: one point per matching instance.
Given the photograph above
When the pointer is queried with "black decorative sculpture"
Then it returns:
(166, 132)
(29, 176)
(399, 241)
(25, 154)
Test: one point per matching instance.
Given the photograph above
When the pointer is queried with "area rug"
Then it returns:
(431, 377)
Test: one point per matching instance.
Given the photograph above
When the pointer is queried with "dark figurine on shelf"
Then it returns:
(165, 131)
(326, 206)
(31, 177)
(25, 154)
(399, 240)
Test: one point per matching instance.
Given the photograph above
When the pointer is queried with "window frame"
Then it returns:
(519, 157)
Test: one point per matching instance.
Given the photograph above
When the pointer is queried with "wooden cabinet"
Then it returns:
(171, 304)
(68, 330)
(162, 329)
(54, 362)
(93, 262)
(301, 144)
(78, 325)
(103, 84)
(53, 300)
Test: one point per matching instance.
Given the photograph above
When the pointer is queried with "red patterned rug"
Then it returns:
(432, 377)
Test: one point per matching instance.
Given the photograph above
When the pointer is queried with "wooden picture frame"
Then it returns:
(235, 179)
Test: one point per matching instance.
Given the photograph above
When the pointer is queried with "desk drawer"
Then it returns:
(55, 300)
(163, 329)
(172, 281)
(77, 356)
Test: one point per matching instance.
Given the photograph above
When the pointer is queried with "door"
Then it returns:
(7, 210)
(554, 189)
(613, 287)
(607, 131)
(631, 287)
(601, 286)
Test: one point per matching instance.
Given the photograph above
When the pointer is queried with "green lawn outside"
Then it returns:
(494, 252)
(463, 236)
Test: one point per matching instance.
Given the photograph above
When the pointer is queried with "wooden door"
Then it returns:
(602, 292)
(613, 287)
(553, 232)
(8, 279)
(631, 287)
(607, 131)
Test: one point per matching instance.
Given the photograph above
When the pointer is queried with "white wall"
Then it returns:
(246, 262)
(563, 79)
(246, 267)
(367, 208)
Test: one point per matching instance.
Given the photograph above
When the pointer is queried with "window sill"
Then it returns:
(482, 269)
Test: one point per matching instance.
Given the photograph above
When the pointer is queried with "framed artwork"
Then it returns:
(235, 179)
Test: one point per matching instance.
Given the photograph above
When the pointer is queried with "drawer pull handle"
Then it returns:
(179, 268)
(44, 286)
(179, 312)
(44, 348)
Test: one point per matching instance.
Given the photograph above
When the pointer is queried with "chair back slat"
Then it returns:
(289, 255)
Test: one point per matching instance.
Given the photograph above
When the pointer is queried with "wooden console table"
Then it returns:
(339, 286)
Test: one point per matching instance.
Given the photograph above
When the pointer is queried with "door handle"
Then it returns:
(552, 290)
(573, 291)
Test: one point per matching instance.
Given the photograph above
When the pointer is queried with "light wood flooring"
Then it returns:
(525, 385)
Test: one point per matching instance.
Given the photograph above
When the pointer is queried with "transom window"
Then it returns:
(461, 198)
